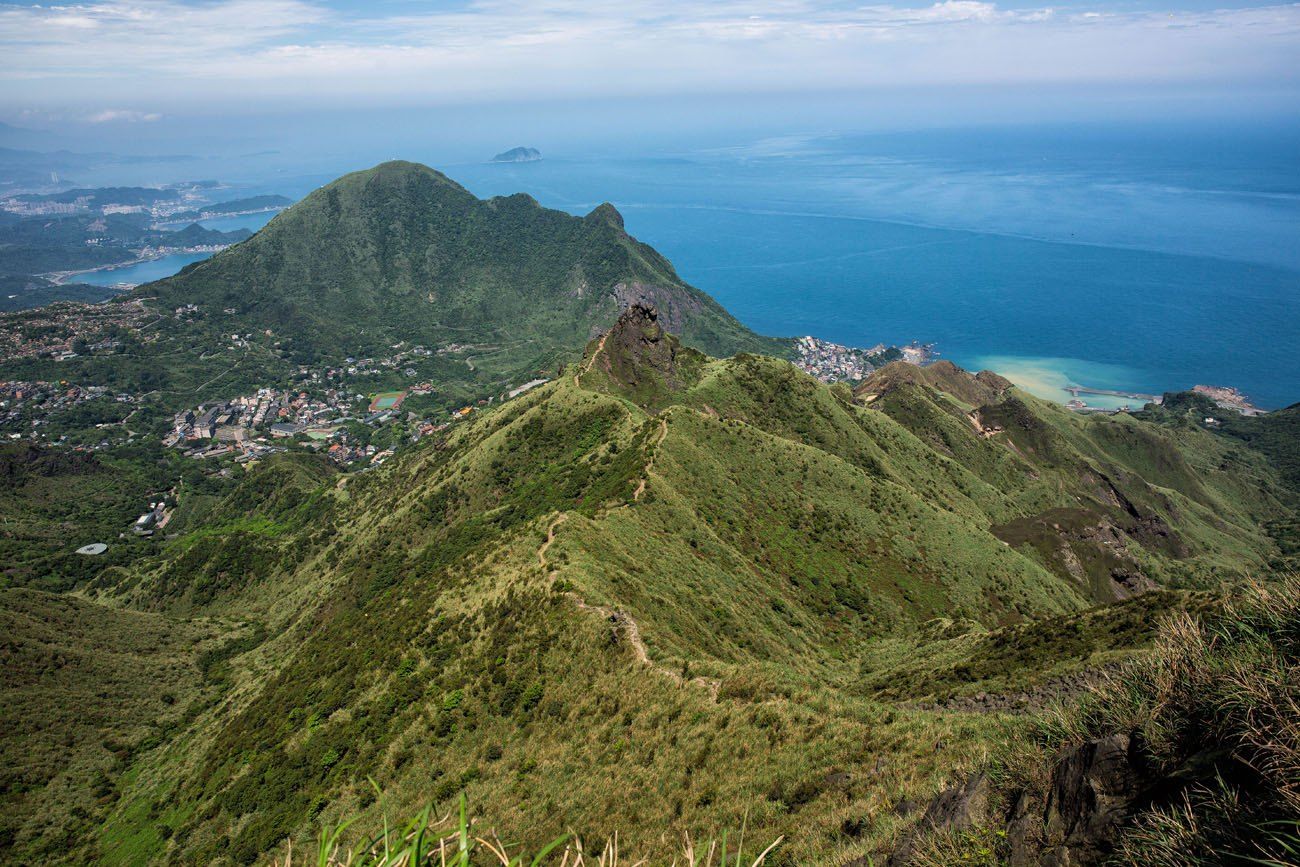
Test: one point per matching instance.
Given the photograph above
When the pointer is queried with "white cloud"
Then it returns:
(115, 115)
(267, 49)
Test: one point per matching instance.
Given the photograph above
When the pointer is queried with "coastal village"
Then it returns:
(834, 362)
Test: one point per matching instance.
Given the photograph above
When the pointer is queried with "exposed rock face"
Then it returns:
(638, 346)
(1094, 789)
(671, 305)
(955, 809)
(1093, 546)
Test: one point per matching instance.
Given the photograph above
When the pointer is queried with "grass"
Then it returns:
(455, 840)
(1215, 709)
(825, 564)
(87, 689)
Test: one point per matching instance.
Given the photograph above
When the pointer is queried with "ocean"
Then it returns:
(1145, 258)
(1137, 259)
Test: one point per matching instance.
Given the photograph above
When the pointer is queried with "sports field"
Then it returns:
(387, 400)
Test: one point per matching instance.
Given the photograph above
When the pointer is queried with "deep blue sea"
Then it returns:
(1142, 258)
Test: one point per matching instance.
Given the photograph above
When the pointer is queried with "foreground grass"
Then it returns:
(454, 842)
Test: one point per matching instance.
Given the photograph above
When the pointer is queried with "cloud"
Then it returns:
(112, 115)
(256, 50)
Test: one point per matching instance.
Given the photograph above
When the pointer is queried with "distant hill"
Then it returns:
(401, 252)
(97, 197)
(196, 235)
(236, 206)
(518, 155)
(22, 292)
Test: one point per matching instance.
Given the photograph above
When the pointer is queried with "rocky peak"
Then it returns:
(641, 359)
(638, 339)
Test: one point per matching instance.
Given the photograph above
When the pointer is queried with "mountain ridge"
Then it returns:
(660, 555)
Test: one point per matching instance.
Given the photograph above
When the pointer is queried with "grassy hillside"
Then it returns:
(1188, 756)
(87, 689)
(739, 593)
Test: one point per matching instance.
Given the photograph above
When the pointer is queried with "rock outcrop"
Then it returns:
(1095, 789)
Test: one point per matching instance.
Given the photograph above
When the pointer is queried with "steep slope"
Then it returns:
(401, 252)
(1116, 503)
(699, 580)
(85, 688)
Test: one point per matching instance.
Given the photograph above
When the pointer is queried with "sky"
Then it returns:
(117, 64)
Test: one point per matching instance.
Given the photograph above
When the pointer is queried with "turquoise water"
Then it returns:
(141, 272)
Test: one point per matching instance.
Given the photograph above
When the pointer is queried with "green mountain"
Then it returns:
(717, 585)
(402, 253)
(385, 260)
(194, 235)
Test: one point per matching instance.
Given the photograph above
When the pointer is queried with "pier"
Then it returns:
(1077, 390)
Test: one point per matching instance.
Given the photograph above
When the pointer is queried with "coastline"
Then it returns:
(60, 278)
(203, 215)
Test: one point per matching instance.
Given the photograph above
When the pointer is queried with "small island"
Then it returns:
(518, 155)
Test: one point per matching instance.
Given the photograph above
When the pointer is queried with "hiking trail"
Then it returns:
(624, 628)
(586, 366)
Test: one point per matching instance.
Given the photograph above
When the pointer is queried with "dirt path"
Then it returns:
(586, 367)
(625, 629)
(550, 540)
(645, 477)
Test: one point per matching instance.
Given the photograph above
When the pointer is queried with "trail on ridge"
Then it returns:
(586, 367)
(622, 625)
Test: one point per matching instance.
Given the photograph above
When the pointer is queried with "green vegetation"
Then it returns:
(57, 500)
(30, 292)
(717, 583)
(455, 841)
(1210, 720)
(661, 595)
(86, 690)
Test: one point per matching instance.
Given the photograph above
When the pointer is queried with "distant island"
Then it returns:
(518, 155)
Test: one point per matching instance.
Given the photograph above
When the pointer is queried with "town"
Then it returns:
(65, 330)
(833, 362)
(340, 423)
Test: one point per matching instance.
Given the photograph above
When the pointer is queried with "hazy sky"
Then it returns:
(118, 62)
